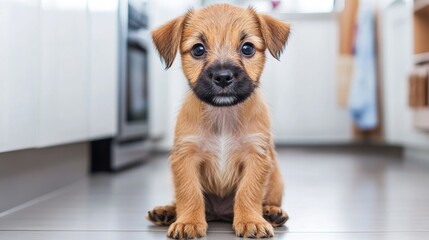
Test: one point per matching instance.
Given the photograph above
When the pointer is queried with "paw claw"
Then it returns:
(257, 229)
(185, 230)
(151, 217)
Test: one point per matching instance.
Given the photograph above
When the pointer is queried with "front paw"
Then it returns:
(187, 230)
(253, 229)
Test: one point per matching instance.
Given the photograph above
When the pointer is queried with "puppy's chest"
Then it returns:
(223, 138)
(222, 149)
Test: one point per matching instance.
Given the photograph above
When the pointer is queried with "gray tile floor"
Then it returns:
(330, 194)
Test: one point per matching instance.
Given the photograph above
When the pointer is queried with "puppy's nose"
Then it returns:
(223, 78)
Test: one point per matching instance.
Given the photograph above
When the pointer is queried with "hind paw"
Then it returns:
(162, 216)
(275, 215)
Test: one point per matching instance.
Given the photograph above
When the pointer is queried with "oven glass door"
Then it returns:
(137, 99)
(136, 114)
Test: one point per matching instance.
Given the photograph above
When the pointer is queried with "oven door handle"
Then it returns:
(139, 40)
(137, 46)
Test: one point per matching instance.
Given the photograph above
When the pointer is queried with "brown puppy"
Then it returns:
(223, 160)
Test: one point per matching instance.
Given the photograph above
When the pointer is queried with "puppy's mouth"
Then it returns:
(223, 101)
(223, 85)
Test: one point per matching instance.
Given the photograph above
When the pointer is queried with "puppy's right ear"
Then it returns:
(275, 34)
(167, 39)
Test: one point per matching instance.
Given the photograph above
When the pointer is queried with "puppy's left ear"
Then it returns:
(275, 34)
(167, 40)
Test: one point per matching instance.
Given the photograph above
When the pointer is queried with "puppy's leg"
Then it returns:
(248, 221)
(273, 198)
(191, 222)
(162, 215)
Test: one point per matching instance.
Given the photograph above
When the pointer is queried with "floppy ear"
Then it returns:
(275, 34)
(167, 40)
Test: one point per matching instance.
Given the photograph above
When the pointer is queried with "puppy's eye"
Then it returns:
(198, 50)
(248, 49)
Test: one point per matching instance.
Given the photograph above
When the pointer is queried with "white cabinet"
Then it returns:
(19, 73)
(58, 72)
(103, 60)
(397, 57)
(64, 84)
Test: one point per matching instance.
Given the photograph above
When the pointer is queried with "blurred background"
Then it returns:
(86, 105)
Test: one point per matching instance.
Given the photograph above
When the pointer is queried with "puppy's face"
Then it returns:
(223, 50)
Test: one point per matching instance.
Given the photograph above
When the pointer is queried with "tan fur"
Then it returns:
(223, 150)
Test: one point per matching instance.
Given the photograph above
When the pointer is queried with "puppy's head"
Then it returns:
(223, 50)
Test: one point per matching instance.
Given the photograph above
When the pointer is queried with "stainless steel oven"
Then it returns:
(134, 101)
(134, 90)
(133, 142)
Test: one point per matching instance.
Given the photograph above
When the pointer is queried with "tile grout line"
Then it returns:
(40, 199)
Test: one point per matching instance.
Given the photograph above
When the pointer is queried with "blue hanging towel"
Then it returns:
(363, 95)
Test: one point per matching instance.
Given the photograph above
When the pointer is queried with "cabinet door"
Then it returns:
(64, 87)
(396, 55)
(19, 73)
(103, 105)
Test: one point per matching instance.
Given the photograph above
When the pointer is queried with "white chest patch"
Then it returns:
(223, 121)
(225, 145)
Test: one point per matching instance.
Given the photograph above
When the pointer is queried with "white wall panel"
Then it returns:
(300, 88)
(64, 88)
(58, 72)
(19, 73)
(4, 23)
(103, 102)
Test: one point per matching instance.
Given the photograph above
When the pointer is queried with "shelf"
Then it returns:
(421, 58)
(421, 28)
